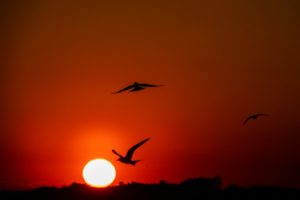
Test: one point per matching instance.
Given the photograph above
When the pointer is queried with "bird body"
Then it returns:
(136, 87)
(254, 116)
(127, 159)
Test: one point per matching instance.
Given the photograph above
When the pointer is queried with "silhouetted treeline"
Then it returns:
(193, 188)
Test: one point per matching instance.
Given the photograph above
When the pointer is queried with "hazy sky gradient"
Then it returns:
(219, 61)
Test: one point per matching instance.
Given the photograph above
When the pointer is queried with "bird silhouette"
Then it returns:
(128, 158)
(255, 116)
(136, 87)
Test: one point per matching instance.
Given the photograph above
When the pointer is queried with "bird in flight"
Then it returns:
(255, 116)
(127, 159)
(136, 87)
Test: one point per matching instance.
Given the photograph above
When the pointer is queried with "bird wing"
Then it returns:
(114, 151)
(148, 85)
(132, 149)
(261, 114)
(126, 88)
(247, 119)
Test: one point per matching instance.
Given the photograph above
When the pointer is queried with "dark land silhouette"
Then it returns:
(192, 188)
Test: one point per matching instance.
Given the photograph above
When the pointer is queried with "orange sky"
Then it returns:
(219, 62)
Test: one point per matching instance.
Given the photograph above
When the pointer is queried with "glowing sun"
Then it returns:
(99, 173)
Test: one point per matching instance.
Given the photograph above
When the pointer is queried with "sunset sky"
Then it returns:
(219, 61)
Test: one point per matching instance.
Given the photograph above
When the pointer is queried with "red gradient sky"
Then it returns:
(219, 61)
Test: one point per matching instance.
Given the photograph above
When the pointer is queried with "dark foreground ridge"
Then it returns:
(196, 188)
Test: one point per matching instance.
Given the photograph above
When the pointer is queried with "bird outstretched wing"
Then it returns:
(126, 88)
(148, 85)
(247, 119)
(261, 114)
(114, 151)
(132, 149)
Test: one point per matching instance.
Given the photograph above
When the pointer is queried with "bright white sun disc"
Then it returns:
(99, 173)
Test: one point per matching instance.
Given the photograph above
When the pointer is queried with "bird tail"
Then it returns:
(135, 161)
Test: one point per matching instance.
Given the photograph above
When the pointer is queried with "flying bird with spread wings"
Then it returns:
(136, 87)
(127, 159)
(254, 116)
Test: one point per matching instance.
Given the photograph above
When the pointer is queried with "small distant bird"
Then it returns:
(136, 87)
(255, 116)
(128, 158)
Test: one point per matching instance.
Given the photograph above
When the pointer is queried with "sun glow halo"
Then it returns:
(99, 173)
